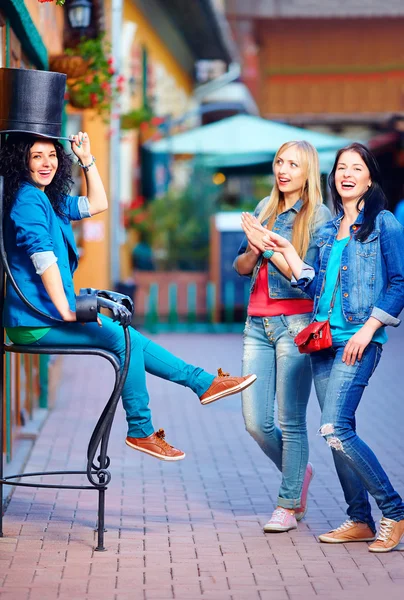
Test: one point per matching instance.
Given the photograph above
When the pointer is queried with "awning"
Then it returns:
(245, 140)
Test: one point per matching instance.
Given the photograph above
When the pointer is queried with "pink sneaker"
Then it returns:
(308, 476)
(281, 520)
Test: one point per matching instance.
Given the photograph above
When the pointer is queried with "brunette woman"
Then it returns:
(360, 254)
(43, 256)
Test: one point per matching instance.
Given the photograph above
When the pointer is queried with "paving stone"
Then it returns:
(193, 530)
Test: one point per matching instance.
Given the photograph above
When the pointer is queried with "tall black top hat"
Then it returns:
(31, 102)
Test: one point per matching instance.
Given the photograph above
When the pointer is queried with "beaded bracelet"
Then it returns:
(268, 253)
(86, 167)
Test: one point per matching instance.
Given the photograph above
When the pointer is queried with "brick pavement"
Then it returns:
(193, 529)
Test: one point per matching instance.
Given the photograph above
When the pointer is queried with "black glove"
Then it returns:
(91, 300)
(126, 301)
(119, 311)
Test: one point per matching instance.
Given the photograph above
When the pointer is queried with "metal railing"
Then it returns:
(218, 315)
(25, 390)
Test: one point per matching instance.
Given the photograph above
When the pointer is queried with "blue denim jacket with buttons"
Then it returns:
(280, 286)
(371, 273)
(31, 227)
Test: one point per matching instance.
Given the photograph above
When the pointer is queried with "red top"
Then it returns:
(261, 305)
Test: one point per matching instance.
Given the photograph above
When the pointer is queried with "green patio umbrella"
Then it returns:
(245, 142)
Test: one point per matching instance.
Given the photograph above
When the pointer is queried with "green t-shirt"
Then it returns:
(341, 329)
(26, 335)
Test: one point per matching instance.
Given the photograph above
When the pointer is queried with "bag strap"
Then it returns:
(334, 294)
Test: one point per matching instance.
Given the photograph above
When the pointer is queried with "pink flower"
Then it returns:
(111, 71)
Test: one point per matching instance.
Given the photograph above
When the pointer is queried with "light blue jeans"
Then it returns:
(339, 390)
(145, 356)
(284, 373)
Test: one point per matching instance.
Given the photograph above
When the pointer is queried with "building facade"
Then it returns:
(327, 66)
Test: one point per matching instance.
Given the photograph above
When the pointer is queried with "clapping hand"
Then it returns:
(254, 232)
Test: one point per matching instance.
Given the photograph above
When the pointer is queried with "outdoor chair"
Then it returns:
(97, 467)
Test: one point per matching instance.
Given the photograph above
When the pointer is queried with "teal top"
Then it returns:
(341, 329)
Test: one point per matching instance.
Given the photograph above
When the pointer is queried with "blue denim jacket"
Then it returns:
(372, 272)
(279, 285)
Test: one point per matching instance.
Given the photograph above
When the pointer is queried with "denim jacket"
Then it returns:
(371, 274)
(280, 286)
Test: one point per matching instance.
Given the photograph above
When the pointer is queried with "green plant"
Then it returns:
(58, 2)
(97, 87)
(181, 224)
(134, 118)
(137, 217)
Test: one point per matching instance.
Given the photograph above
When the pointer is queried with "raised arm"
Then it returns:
(96, 195)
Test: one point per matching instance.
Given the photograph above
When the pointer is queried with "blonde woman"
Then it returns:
(276, 313)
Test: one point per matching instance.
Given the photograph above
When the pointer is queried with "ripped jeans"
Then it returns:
(339, 389)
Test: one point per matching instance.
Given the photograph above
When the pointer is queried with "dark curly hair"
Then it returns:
(14, 157)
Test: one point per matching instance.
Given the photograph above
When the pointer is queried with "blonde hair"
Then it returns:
(310, 195)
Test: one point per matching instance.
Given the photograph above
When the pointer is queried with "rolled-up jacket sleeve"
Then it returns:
(391, 302)
(77, 208)
(43, 260)
(307, 281)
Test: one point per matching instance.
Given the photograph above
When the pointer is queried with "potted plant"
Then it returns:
(96, 88)
(58, 2)
(134, 118)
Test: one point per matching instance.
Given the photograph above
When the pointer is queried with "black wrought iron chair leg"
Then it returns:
(101, 521)
(1, 508)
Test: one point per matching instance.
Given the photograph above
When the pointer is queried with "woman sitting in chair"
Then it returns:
(43, 257)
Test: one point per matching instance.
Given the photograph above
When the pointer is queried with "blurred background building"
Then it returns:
(330, 66)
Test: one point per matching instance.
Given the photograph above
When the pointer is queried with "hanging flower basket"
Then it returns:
(72, 66)
(58, 2)
(80, 100)
(97, 87)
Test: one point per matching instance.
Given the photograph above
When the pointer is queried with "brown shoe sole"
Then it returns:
(159, 456)
(230, 391)
(330, 540)
(384, 549)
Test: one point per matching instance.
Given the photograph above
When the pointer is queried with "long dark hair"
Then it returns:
(374, 199)
(14, 157)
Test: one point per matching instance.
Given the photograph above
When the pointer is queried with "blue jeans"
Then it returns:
(339, 390)
(145, 356)
(270, 352)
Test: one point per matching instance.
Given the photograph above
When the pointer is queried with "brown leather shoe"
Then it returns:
(225, 385)
(389, 537)
(155, 445)
(348, 532)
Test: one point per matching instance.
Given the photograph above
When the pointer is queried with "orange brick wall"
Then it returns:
(330, 66)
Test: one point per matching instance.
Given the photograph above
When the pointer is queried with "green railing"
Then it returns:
(227, 315)
(25, 389)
